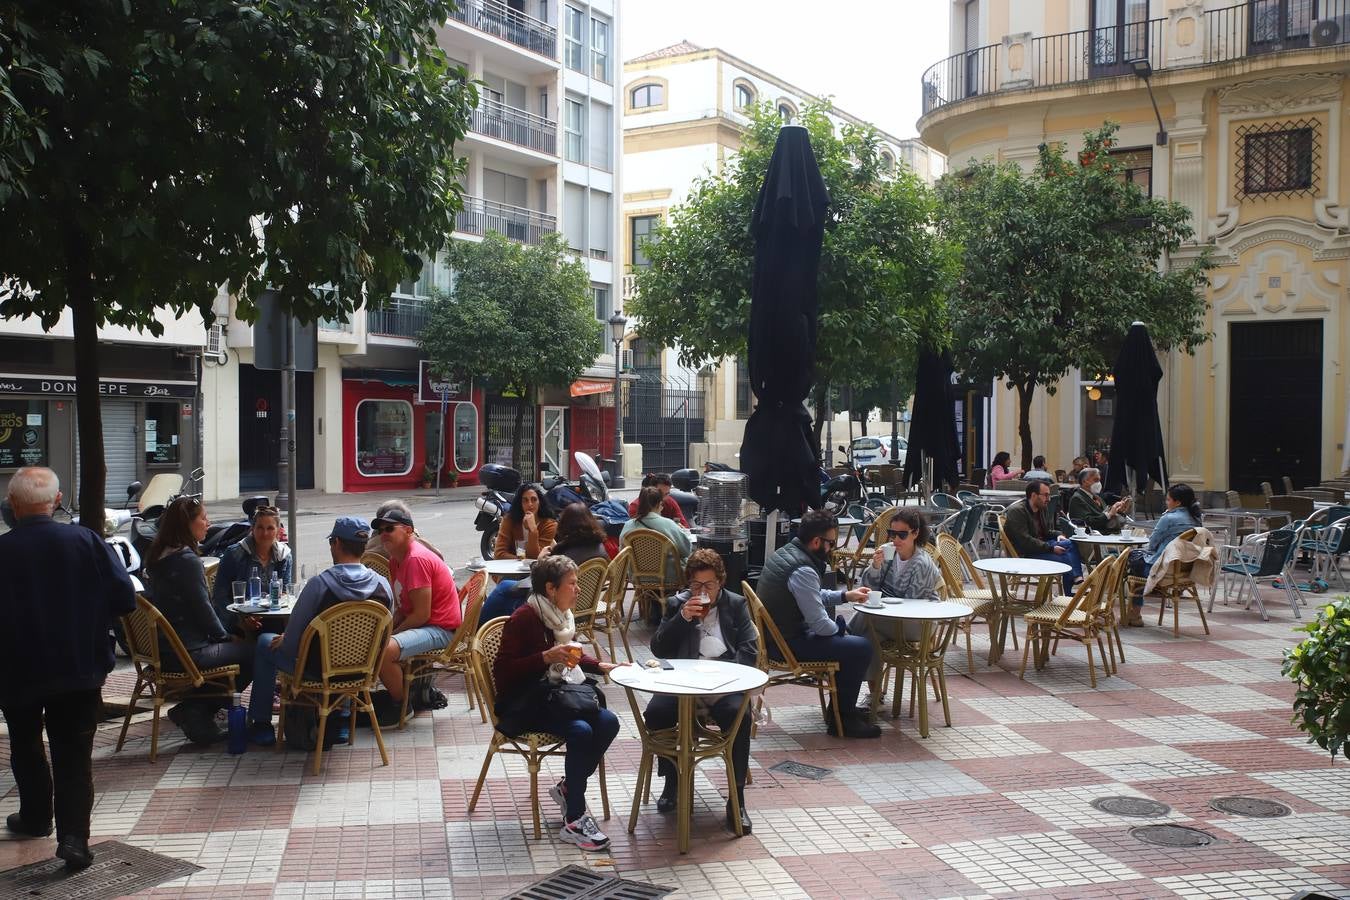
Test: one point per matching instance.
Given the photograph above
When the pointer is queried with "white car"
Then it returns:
(873, 451)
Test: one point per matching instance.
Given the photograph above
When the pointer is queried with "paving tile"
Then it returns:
(946, 820)
(1186, 729)
(1309, 839)
(1240, 671)
(1023, 710)
(500, 848)
(826, 829)
(1047, 860)
(1329, 789)
(117, 812)
(892, 873)
(1070, 807)
(1261, 648)
(216, 769)
(1222, 698)
(1147, 763)
(1247, 884)
(172, 810)
(890, 782)
(731, 880)
(370, 803)
(973, 741)
(1228, 852)
(226, 857)
(381, 888)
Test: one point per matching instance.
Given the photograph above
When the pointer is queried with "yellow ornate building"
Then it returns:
(1249, 133)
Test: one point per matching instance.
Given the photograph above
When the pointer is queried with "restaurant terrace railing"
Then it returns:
(1183, 40)
(499, 20)
(516, 126)
(480, 216)
(403, 316)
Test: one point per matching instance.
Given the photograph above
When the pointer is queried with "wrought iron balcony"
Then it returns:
(1221, 35)
(516, 126)
(499, 20)
(480, 216)
(403, 316)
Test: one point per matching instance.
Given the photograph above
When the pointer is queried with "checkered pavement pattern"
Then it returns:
(996, 805)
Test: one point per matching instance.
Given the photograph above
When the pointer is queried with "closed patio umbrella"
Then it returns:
(932, 426)
(1137, 452)
(788, 225)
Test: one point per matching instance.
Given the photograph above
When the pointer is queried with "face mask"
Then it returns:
(1096, 487)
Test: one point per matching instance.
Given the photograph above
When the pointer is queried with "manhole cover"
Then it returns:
(582, 883)
(801, 770)
(119, 869)
(1138, 807)
(1172, 836)
(1250, 806)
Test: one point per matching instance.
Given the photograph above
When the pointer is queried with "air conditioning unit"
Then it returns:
(626, 360)
(215, 343)
(1330, 32)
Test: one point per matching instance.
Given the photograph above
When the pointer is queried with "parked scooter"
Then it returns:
(499, 486)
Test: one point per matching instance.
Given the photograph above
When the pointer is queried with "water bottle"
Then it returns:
(254, 586)
(238, 740)
(274, 591)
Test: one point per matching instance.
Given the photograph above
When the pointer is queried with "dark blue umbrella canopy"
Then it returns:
(932, 428)
(788, 227)
(1136, 434)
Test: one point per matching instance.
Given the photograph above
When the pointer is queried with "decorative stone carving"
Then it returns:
(1280, 95)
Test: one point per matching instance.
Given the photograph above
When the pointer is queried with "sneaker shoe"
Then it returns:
(585, 834)
(559, 794)
(261, 734)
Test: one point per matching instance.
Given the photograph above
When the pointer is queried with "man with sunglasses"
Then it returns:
(1033, 536)
(790, 589)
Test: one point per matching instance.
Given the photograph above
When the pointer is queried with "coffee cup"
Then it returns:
(888, 551)
(873, 601)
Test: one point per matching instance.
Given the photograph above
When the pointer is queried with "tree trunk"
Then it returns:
(819, 401)
(88, 416)
(1025, 393)
(515, 432)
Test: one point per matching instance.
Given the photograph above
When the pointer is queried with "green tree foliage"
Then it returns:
(151, 152)
(1057, 264)
(1320, 669)
(520, 316)
(883, 266)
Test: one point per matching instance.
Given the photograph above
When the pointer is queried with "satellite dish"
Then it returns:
(587, 465)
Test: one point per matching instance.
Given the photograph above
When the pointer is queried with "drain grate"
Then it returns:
(581, 883)
(119, 869)
(1136, 807)
(1255, 807)
(801, 770)
(1172, 836)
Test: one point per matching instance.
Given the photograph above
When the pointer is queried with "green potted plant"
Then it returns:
(428, 476)
(1320, 667)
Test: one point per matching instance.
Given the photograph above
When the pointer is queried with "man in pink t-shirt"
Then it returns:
(426, 611)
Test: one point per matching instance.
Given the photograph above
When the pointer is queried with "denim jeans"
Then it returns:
(505, 599)
(587, 740)
(1070, 558)
(71, 720)
(265, 664)
(852, 652)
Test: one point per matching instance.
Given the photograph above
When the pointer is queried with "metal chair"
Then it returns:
(532, 746)
(785, 668)
(143, 629)
(455, 656)
(1276, 553)
(1328, 545)
(946, 501)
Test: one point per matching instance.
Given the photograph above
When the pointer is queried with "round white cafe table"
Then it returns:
(1109, 540)
(265, 609)
(686, 681)
(1006, 571)
(938, 621)
(505, 568)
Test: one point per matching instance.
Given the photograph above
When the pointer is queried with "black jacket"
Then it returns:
(677, 639)
(177, 583)
(61, 592)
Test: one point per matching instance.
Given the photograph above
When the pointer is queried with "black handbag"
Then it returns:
(580, 700)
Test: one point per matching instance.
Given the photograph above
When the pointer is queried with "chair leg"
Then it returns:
(895, 698)
(407, 693)
(375, 727)
(533, 762)
(1200, 608)
(154, 727)
(323, 726)
(1092, 668)
(482, 775)
(604, 790)
(1032, 631)
(834, 704)
(942, 682)
(131, 710)
(970, 652)
(644, 774)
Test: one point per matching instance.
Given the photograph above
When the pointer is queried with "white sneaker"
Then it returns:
(559, 794)
(585, 834)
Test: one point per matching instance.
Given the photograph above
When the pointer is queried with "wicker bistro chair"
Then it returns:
(1078, 619)
(350, 639)
(849, 563)
(608, 609)
(653, 557)
(532, 746)
(957, 570)
(1175, 586)
(1105, 610)
(924, 662)
(143, 629)
(455, 656)
(590, 593)
(376, 563)
(786, 668)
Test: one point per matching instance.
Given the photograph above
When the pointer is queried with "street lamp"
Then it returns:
(1143, 70)
(617, 323)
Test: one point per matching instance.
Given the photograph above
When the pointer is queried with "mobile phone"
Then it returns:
(667, 665)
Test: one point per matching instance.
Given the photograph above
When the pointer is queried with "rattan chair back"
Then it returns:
(376, 563)
(351, 637)
(487, 643)
(590, 581)
(143, 628)
(652, 554)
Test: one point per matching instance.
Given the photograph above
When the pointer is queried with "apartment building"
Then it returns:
(1249, 134)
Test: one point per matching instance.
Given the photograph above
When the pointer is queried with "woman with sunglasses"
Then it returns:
(909, 572)
(177, 586)
(258, 554)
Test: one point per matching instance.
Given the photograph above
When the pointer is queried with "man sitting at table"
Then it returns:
(790, 589)
(669, 508)
(1038, 471)
(706, 621)
(1087, 507)
(347, 579)
(1034, 538)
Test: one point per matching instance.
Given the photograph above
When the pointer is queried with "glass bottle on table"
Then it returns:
(254, 585)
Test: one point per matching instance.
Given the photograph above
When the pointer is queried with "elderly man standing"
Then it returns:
(62, 589)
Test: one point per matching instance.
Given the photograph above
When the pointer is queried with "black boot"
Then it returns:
(670, 794)
(75, 851)
(15, 823)
(855, 724)
(745, 816)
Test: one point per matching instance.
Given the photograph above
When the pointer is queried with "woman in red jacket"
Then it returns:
(538, 656)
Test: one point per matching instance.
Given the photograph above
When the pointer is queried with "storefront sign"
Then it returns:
(588, 386)
(430, 390)
(21, 442)
(130, 389)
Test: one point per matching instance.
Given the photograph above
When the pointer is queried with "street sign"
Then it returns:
(438, 390)
(269, 338)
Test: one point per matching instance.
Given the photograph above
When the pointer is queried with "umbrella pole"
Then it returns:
(770, 533)
(829, 430)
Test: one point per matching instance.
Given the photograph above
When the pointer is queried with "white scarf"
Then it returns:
(564, 628)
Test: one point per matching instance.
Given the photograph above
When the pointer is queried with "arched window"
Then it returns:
(887, 161)
(644, 96)
(743, 94)
(787, 112)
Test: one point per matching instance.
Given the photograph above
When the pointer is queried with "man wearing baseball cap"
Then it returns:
(427, 611)
(347, 579)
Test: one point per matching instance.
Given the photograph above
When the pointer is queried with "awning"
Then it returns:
(585, 387)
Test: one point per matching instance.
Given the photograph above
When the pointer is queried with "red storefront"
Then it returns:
(389, 434)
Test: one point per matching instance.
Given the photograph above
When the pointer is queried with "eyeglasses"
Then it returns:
(898, 535)
(386, 529)
(703, 585)
(266, 511)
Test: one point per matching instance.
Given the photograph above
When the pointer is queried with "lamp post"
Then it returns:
(617, 323)
(1143, 69)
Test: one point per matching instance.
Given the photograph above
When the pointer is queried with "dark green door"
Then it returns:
(1275, 404)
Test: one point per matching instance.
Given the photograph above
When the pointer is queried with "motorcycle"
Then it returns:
(500, 484)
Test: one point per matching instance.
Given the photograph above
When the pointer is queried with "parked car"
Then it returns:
(875, 451)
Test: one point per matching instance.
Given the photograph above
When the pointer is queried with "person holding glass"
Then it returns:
(900, 568)
(528, 528)
(259, 555)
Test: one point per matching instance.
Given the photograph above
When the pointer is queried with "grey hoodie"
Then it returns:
(337, 584)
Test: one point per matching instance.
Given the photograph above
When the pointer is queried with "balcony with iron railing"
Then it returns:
(404, 316)
(1181, 41)
(480, 216)
(501, 21)
(495, 119)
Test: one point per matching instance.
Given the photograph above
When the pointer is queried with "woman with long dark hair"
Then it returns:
(1183, 513)
(1000, 469)
(177, 586)
(580, 535)
(531, 521)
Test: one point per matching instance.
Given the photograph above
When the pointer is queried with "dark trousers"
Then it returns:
(225, 653)
(852, 652)
(662, 712)
(1140, 569)
(587, 740)
(72, 719)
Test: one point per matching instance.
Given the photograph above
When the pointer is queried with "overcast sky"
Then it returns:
(868, 54)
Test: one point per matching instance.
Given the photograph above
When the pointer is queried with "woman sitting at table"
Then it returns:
(706, 621)
(177, 585)
(649, 516)
(259, 555)
(579, 538)
(531, 521)
(537, 656)
(1183, 514)
(999, 471)
(910, 573)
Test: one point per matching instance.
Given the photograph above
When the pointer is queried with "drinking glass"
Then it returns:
(520, 549)
(239, 589)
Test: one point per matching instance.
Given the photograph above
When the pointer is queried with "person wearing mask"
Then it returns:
(427, 611)
(1183, 513)
(347, 579)
(1087, 507)
(669, 508)
(804, 612)
(538, 654)
(1033, 537)
(376, 546)
(579, 537)
(1038, 472)
(177, 583)
(706, 621)
(1079, 464)
(63, 589)
(1000, 471)
(259, 555)
(530, 522)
